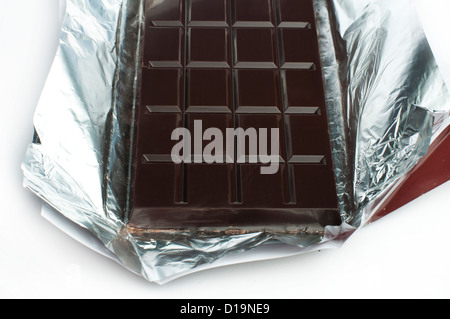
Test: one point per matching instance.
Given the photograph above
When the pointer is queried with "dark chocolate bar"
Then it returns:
(214, 66)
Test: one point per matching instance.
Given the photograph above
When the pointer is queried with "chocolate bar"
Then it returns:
(232, 131)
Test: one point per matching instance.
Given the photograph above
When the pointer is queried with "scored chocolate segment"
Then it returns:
(294, 54)
(166, 93)
(216, 72)
(157, 130)
(252, 13)
(295, 13)
(164, 13)
(169, 51)
(209, 91)
(257, 91)
(216, 40)
(254, 48)
(303, 92)
(212, 13)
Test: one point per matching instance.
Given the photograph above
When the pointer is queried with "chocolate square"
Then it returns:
(257, 91)
(303, 92)
(299, 49)
(252, 13)
(255, 48)
(164, 47)
(167, 90)
(209, 91)
(208, 48)
(295, 13)
(167, 13)
(208, 13)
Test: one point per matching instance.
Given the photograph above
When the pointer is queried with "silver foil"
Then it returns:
(384, 93)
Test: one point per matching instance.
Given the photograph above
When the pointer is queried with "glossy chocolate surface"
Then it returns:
(232, 64)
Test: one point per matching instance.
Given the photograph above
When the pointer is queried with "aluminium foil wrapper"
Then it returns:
(385, 95)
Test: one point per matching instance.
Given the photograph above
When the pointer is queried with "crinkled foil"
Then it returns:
(384, 93)
(392, 91)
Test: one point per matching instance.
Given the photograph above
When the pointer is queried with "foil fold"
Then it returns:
(385, 98)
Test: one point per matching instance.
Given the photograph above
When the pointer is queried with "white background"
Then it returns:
(405, 255)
